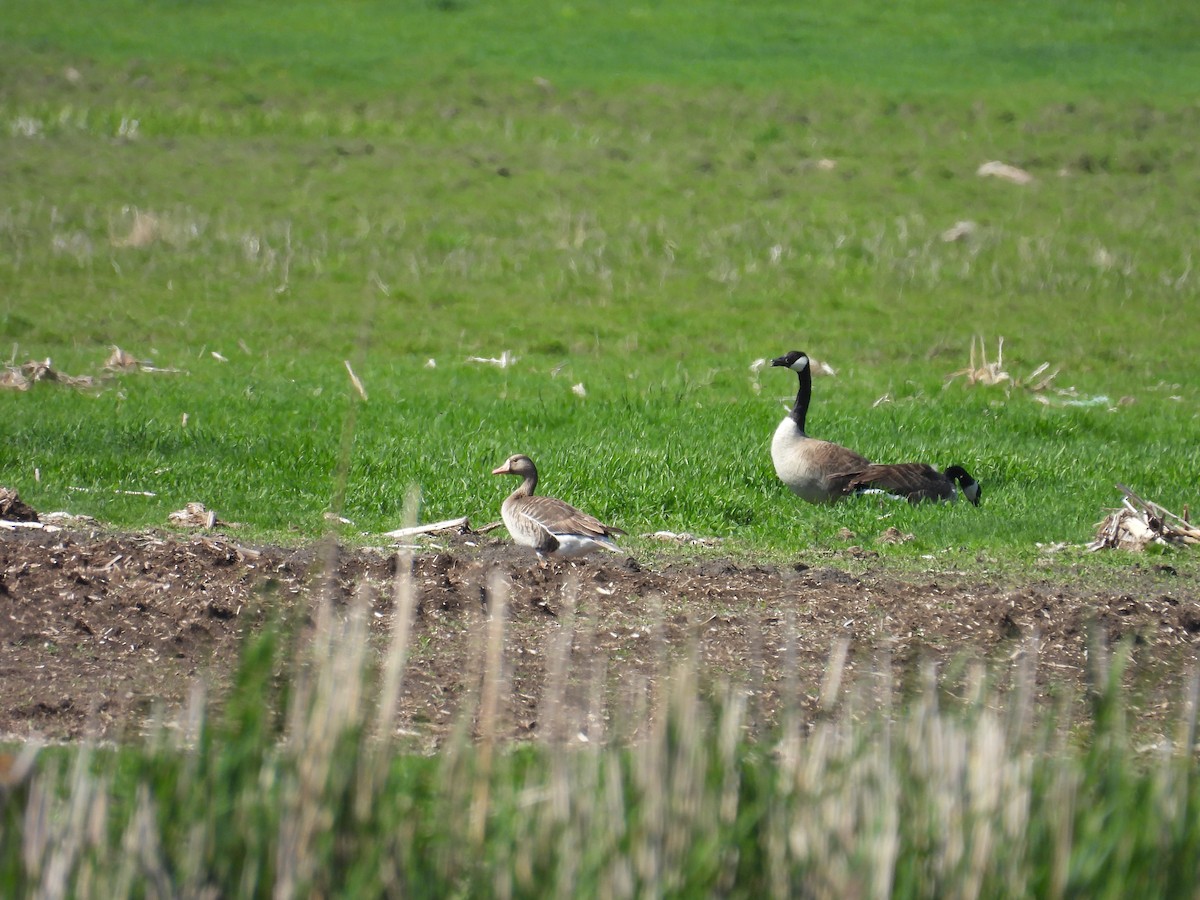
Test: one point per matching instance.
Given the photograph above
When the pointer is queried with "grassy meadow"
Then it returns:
(636, 204)
(643, 202)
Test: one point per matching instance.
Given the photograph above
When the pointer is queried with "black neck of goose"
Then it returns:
(800, 411)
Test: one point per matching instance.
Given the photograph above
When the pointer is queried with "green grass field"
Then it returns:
(630, 200)
(643, 200)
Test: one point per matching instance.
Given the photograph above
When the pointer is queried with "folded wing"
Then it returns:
(914, 482)
(558, 517)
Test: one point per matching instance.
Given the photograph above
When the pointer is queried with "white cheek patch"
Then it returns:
(799, 365)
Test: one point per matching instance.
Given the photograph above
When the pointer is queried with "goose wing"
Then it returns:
(841, 465)
(558, 518)
(835, 457)
(916, 481)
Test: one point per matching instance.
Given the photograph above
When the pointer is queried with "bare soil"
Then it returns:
(101, 633)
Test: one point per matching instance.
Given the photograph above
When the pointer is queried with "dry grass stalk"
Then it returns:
(489, 706)
(981, 370)
(354, 380)
(552, 716)
(404, 606)
(462, 525)
(1140, 523)
(329, 699)
(1038, 383)
(146, 229)
(1004, 171)
(503, 361)
(820, 367)
(28, 526)
(16, 769)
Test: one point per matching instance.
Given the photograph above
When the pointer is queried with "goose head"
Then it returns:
(519, 464)
(796, 360)
(970, 488)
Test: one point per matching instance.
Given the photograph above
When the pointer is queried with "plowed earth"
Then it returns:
(101, 634)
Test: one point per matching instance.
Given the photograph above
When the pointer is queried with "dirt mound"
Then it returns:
(102, 632)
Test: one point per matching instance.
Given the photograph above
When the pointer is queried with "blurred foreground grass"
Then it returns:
(299, 784)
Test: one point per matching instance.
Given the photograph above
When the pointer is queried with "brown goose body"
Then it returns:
(817, 471)
(915, 482)
(547, 524)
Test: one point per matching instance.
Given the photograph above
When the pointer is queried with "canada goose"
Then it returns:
(546, 524)
(915, 482)
(816, 470)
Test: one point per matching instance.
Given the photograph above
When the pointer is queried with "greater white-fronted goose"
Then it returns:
(915, 482)
(816, 470)
(549, 525)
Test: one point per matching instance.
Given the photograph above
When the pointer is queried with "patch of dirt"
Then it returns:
(103, 632)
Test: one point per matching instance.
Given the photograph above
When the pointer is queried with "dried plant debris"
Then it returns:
(1039, 383)
(1140, 523)
(960, 231)
(194, 515)
(894, 535)
(143, 228)
(23, 377)
(13, 379)
(1004, 171)
(982, 371)
(14, 509)
(16, 514)
(685, 538)
(820, 367)
(1070, 397)
(6, 525)
(122, 361)
(756, 368)
(461, 525)
(123, 491)
(503, 361)
(356, 381)
(69, 520)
